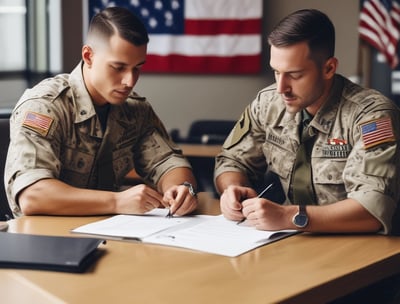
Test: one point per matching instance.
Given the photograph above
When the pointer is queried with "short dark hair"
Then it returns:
(309, 25)
(121, 20)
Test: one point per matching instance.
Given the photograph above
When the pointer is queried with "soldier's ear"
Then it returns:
(87, 55)
(330, 67)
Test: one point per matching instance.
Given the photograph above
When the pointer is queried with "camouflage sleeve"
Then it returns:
(242, 149)
(32, 151)
(372, 171)
(156, 154)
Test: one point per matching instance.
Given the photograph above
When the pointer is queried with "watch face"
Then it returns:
(300, 220)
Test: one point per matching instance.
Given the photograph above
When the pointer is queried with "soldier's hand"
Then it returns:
(264, 214)
(180, 200)
(137, 200)
(231, 201)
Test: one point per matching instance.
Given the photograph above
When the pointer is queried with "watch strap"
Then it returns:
(300, 219)
(191, 188)
(302, 209)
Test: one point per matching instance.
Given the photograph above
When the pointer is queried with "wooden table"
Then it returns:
(189, 150)
(304, 268)
(199, 150)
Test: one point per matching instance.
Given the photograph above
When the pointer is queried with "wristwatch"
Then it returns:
(191, 188)
(300, 219)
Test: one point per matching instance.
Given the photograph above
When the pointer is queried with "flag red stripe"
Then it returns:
(380, 46)
(380, 28)
(216, 27)
(379, 31)
(379, 133)
(202, 64)
(377, 26)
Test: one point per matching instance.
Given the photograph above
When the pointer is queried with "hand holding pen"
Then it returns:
(180, 199)
(261, 194)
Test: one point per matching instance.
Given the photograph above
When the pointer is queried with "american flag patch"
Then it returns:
(376, 132)
(37, 122)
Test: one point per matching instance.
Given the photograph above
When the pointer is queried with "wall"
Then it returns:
(180, 99)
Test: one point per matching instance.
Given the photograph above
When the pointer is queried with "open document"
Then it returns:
(207, 233)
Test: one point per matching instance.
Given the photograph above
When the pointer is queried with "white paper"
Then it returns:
(207, 233)
(219, 236)
(132, 226)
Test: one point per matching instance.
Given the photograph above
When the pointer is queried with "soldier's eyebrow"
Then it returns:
(125, 64)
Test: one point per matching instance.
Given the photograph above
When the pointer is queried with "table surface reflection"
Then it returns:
(297, 269)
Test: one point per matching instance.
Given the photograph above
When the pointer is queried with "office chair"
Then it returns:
(205, 131)
(208, 132)
(5, 211)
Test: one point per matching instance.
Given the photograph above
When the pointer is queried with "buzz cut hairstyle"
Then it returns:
(117, 20)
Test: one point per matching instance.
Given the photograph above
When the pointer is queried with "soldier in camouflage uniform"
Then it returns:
(351, 176)
(74, 137)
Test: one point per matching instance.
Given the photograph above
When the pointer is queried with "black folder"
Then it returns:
(57, 253)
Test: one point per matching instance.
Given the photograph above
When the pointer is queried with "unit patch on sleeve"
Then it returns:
(37, 122)
(241, 128)
(376, 132)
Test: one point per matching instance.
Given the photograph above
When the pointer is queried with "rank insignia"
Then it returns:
(337, 141)
(336, 148)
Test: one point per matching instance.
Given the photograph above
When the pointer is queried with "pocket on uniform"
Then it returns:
(123, 161)
(380, 162)
(76, 168)
(77, 161)
(279, 160)
(329, 171)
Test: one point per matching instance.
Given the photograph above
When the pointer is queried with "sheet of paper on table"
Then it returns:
(207, 233)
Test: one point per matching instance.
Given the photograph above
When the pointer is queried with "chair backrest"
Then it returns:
(5, 212)
(210, 131)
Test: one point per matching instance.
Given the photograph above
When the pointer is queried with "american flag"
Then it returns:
(376, 132)
(380, 27)
(198, 36)
(37, 122)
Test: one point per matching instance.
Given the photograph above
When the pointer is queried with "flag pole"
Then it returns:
(364, 63)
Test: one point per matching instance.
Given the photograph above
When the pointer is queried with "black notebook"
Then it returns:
(68, 254)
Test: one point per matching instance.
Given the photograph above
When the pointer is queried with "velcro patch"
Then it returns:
(37, 122)
(239, 130)
(376, 132)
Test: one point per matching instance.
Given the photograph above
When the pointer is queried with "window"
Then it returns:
(12, 35)
(24, 46)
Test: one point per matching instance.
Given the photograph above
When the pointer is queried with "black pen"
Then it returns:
(259, 195)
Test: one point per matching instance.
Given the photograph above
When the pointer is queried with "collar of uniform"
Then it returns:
(289, 124)
(325, 117)
(125, 112)
(306, 117)
(82, 100)
(289, 119)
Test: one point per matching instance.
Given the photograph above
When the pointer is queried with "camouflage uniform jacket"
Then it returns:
(55, 133)
(355, 153)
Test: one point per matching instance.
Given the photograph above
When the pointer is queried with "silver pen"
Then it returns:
(259, 195)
